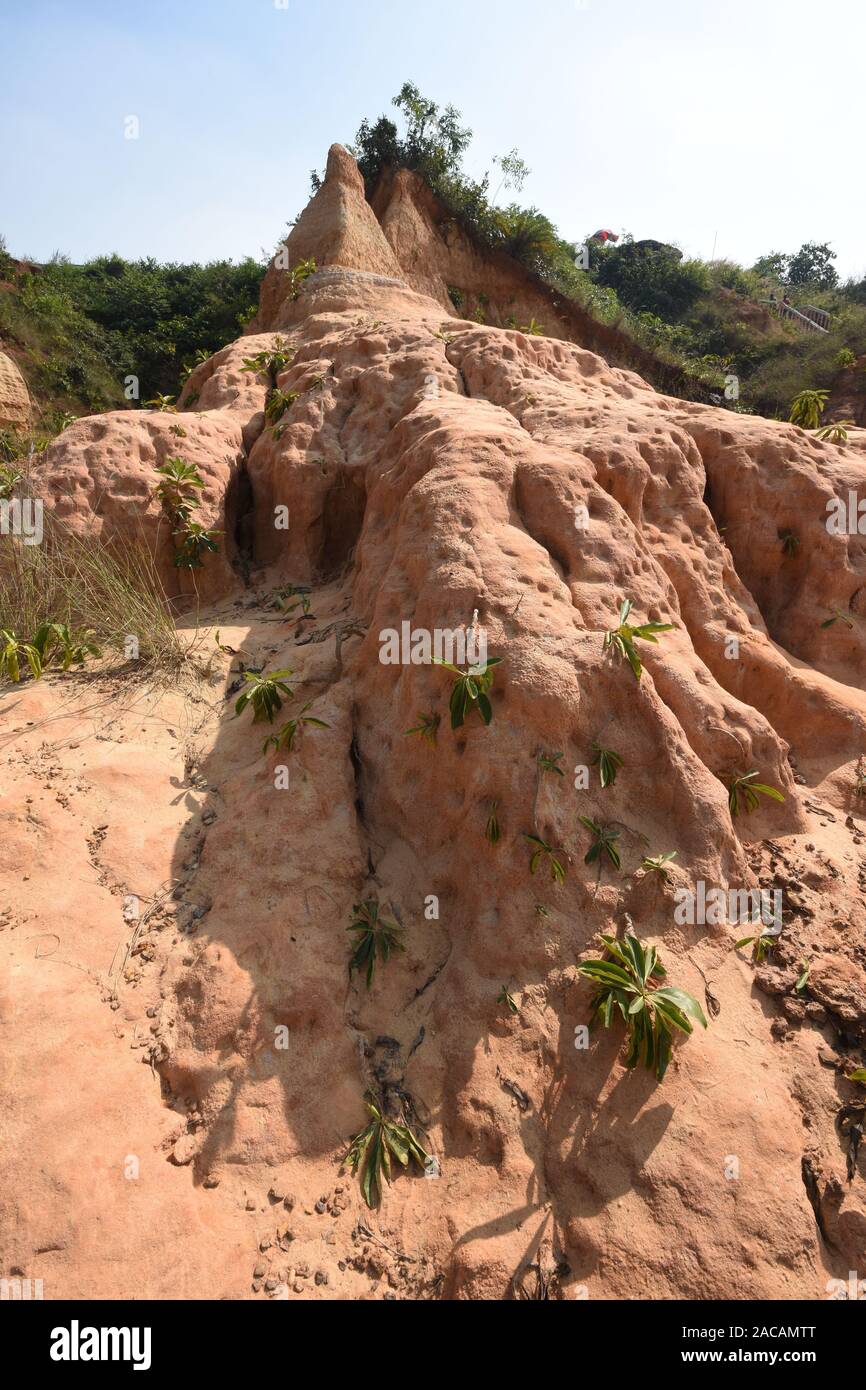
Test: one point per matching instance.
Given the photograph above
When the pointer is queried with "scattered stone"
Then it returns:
(185, 1149)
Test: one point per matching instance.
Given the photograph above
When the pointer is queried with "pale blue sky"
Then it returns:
(685, 120)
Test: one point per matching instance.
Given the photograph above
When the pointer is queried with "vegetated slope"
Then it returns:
(78, 332)
(432, 467)
(688, 325)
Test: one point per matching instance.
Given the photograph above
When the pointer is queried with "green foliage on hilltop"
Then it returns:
(709, 319)
(77, 330)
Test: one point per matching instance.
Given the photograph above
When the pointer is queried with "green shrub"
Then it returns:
(626, 980)
(807, 407)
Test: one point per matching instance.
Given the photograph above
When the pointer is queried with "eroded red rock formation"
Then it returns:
(432, 467)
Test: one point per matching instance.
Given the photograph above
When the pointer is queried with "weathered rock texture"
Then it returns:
(14, 396)
(432, 467)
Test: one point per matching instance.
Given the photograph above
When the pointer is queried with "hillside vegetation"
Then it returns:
(709, 317)
(77, 332)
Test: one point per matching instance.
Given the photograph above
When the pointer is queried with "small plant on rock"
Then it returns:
(549, 762)
(658, 864)
(763, 944)
(264, 694)
(790, 542)
(622, 638)
(838, 616)
(285, 737)
(270, 361)
(373, 1148)
(376, 937)
(300, 596)
(195, 540)
(603, 842)
(278, 403)
(161, 402)
(836, 432)
(545, 852)
(469, 690)
(744, 792)
(176, 490)
(608, 762)
(860, 777)
(427, 727)
(626, 980)
(492, 830)
(298, 274)
(506, 998)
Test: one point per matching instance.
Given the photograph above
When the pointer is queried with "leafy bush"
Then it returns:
(278, 403)
(807, 407)
(655, 279)
(658, 864)
(270, 361)
(762, 945)
(194, 540)
(177, 488)
(835, 433)
(506, 998)
(427, 727)
(626, 980)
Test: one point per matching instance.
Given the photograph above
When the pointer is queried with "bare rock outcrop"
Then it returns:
(15, 406)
